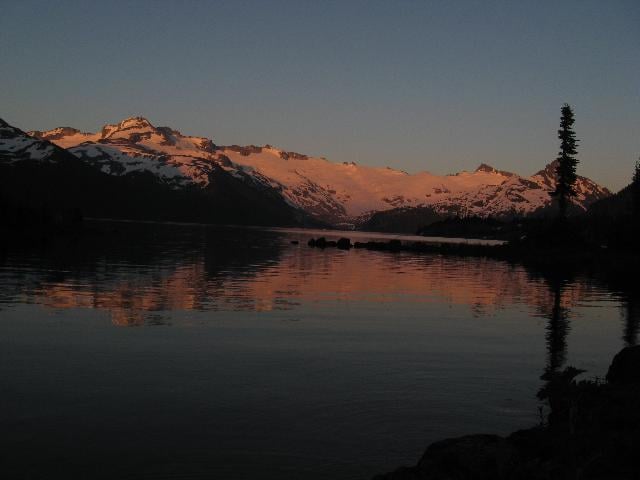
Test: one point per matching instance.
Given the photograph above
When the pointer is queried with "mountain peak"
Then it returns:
(54, 134)
(134, 122)
(549, 171)
(483, 167)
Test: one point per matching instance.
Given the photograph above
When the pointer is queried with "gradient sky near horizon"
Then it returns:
(416, 85)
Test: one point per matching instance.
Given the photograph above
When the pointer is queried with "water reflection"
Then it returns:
(557, 328)
(138, 272)
(348, 353)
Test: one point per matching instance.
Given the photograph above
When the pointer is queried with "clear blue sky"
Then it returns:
(417, 85)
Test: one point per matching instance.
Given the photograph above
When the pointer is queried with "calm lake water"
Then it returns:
(165, 351)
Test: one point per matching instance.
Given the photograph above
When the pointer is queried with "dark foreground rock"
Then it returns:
(481, 457)
(596, 436)
(625, 368)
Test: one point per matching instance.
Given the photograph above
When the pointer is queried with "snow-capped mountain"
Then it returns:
(334, 193)
(136, 171)
(16, 146)
(134, 145)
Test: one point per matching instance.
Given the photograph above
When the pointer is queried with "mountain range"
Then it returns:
(192, 178)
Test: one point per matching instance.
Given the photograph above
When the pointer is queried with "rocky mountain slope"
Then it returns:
(339, 194)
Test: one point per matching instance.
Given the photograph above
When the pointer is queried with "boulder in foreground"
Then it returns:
(625, 368)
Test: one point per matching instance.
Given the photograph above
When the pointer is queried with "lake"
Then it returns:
(186, 351)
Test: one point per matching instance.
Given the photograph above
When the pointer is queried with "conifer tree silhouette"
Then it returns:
(567, 162)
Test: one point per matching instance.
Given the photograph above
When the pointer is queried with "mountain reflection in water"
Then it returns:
(234, 269)
(281, 361)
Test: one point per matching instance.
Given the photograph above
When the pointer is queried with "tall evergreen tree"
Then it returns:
(567, 162)
(635, 192)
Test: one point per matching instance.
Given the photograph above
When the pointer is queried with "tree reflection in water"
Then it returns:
(557, 328)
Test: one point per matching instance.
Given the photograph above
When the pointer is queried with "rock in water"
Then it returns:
(625, 367)
(344, 244)
(395, 245)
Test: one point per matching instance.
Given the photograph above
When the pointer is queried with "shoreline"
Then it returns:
(591, 432)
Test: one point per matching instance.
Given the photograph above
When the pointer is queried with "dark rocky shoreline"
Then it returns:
(592, 433)
(395, 245)
(562, 257)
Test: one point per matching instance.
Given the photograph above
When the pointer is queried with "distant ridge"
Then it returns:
(340, 194)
